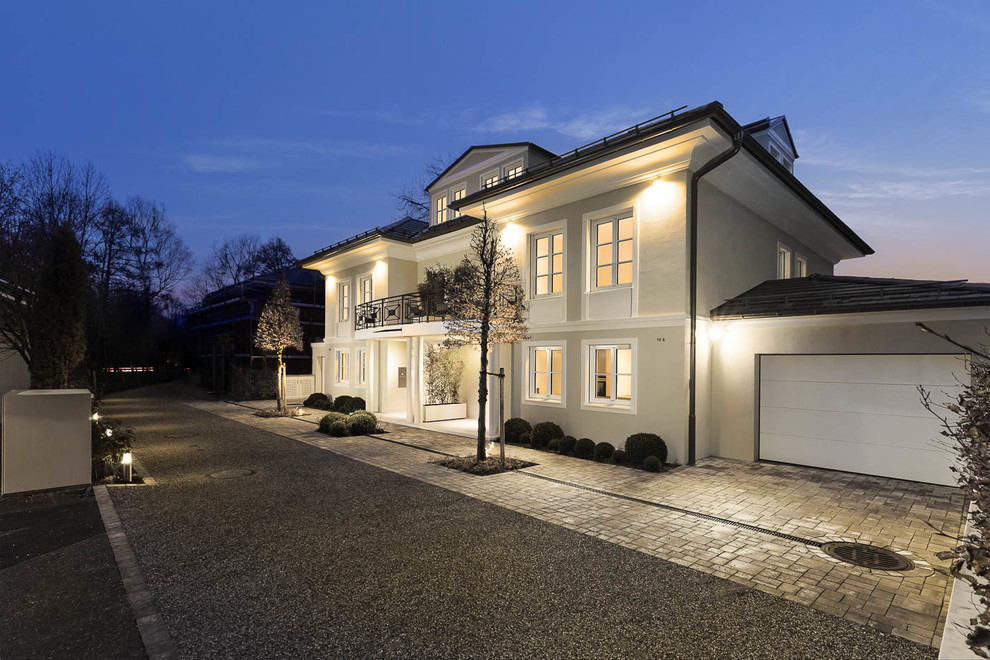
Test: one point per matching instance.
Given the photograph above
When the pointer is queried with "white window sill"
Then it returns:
(550, 403)
(624, 408)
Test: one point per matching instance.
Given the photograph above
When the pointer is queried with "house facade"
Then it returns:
(628, 247)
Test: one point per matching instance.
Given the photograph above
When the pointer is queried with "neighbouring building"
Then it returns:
(224, 323)
(679, 280)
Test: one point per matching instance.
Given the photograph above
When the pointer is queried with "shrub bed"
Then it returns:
(567, 445)
(543, 433)
(651, 464)
(329, 419)
(554, 445)
(584, 448)
(604, 451)
(340, 428)
(515, 428)
(362, 422)
(639, 446)
(489, 466)
(618, 457)
(318, 400)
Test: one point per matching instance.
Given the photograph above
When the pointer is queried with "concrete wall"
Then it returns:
(46, 439)
(14, 374)
(734, 382)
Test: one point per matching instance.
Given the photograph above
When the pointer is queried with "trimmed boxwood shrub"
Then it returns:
(584, 448)
(604, 451)
(318, 400)
(651, 464)
(618, 457)
(357, 403)
(340, 428)
(525, 438)
(554, 445)
(329, 419)
(567, 445)
(641, 445)
(544, 432)
(341, 403)
(514, 429)
(362, 422)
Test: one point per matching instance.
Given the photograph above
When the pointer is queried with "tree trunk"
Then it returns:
(483, 394)
(280, 389)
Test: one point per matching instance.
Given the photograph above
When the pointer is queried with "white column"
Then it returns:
(415, 378)
(372, 375)
(410, 417)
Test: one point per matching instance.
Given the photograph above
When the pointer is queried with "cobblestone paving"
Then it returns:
(818, 505)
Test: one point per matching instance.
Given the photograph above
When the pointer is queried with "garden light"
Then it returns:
(109, 432)
(127, 462)
(95, 417)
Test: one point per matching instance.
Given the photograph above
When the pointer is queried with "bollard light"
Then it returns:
(95, 417)
(127, 461)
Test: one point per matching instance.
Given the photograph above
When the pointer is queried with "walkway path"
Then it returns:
(812, 504)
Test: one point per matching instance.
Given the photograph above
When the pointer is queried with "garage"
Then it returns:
(857, 413)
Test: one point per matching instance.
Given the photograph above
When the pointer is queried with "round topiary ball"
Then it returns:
(618, 457)
(340, 428)
(362, 422)
(641, 445)
(584, 448)
(567, 445)
(329, 419)
(651, 464)
(604, 451)
(514, 429)
(525, 438)
(554, 445)
(543, 433)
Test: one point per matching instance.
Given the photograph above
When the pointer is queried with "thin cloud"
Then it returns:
(580, 125)
(219, 164)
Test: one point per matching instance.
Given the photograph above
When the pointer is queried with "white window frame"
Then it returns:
(593, 250)
(368, 279)
(511, 167)
(457, 193)
(341, 366)
(800, 265)
(529, 358)
(344, 302)
(361, 364)
(440, 211)
(591, 402)
(489, 176)
(784, 265)
(534, 276)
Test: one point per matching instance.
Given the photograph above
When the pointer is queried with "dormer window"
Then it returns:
(783, 262)
(457, 195)
(489, 180)
(441, 209)
(512, 171)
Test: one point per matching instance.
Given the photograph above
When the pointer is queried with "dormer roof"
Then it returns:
(534, 148)
(777, 125)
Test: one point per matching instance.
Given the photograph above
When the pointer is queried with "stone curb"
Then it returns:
(155, 636)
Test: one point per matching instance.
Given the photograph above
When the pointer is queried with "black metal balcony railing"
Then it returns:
(398, 310)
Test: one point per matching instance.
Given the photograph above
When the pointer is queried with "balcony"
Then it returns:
(400, 310)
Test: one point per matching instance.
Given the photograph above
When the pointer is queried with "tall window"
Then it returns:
(362, 366)
(441, 214)
(344, 302)
(513, 171)
(783, 262)
(800, 266)
(457, 195)
(612, 239)
(547, 373)
(343, 368)
(490, 179)
(611, 374)
(548, 263)
(367, 288)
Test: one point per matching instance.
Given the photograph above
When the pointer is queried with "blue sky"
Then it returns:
(299, 119)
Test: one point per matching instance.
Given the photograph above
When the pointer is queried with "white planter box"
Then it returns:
(47, 441)
(443, 411)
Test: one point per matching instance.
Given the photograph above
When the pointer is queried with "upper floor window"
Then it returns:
(783, 262)
(344, 302)
(489, 180)
(800, 266)
(547, 373)
(441, 209)
(512, 171)
(343, 367)
(458, 195)
(548, 263)
(612, 251)
(367, 285)
(611, 374)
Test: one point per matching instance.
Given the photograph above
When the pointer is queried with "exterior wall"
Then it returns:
(737, 249)
(735, 379)
(14, 374)
(660, 393)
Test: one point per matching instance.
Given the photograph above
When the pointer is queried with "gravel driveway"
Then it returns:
(316, 555)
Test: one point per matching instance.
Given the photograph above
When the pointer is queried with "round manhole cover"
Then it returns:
(868, 556)
(231, 474)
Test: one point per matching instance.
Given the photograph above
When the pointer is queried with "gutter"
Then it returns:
(737, 142)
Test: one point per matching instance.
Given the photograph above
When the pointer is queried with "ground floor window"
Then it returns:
(362, 366)
(611, 374)
(343, 367)
(546, 372)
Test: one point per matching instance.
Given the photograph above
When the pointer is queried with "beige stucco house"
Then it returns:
(661, 267)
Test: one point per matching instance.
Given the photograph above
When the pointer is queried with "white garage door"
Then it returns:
(858, 413)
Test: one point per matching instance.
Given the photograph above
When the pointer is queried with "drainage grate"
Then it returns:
(231, 474)
(868, 556)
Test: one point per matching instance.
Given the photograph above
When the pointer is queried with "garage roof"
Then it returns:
(831, 294)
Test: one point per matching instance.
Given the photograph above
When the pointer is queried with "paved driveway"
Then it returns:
(318, 555)
(917, 520)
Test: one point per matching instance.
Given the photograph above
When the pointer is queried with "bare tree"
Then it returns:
(486, 305)
(157, 259)
(412, 200)
(242, 257)
(279, 329)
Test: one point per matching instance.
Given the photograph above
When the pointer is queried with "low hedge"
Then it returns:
(604, 451)
(618, 457)
(514, 429)
(584, 448)
(544, 432)
(554, 445)
(641, 445)
(318, 400)
(347, 404)
(567, 445)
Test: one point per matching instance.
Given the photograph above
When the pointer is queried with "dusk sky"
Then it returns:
(300, 119)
